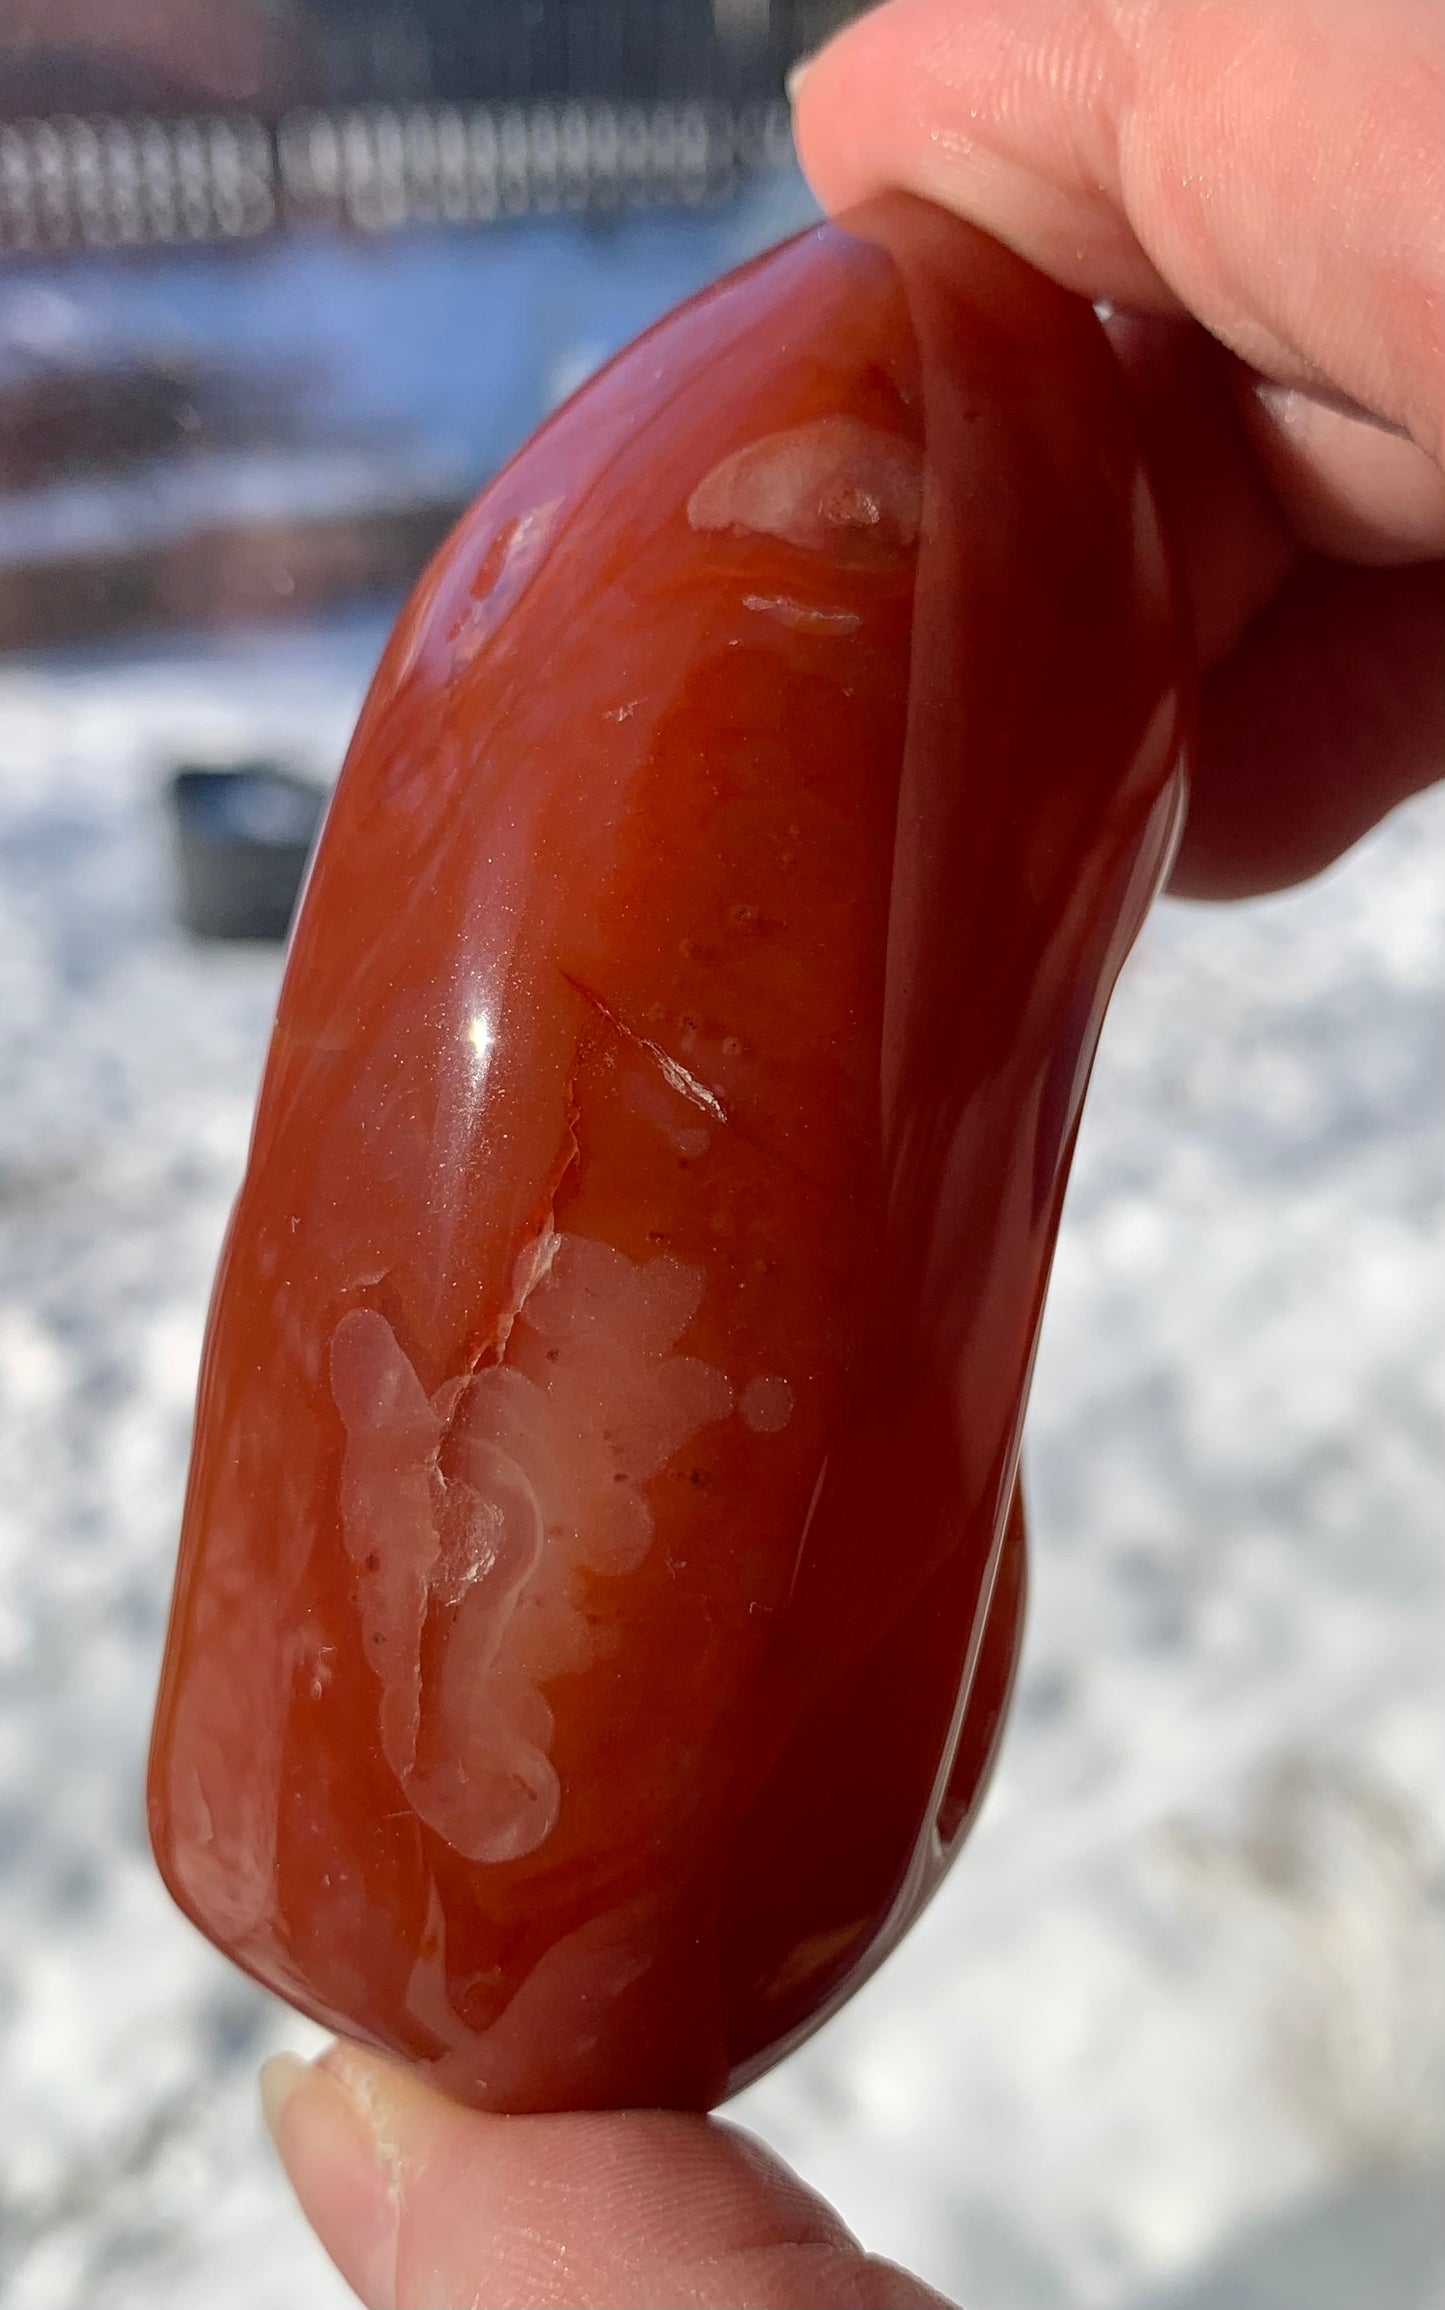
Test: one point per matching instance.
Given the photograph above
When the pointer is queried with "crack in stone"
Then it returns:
(666, 1064)
(672, 1070)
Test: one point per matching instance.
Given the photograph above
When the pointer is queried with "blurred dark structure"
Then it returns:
(146, 480)
(523, 50)
(131, 122)
(243, 834)
(168, 58)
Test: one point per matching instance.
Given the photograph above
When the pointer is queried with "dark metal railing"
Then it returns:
(440, 110)
(524, 51)
(99, 184)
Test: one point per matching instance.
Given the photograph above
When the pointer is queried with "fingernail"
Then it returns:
(280, 2078)
(797, 74)
(1297, 406)
(343, 2169)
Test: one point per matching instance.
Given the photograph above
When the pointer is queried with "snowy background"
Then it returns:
(1173, 2036)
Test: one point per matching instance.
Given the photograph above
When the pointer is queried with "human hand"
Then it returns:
(424, 2206)
(1260, 185)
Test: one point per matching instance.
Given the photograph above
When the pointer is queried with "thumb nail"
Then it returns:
(328, 2126)
(796, 74)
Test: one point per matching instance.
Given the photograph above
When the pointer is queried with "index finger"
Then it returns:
(1274, 167)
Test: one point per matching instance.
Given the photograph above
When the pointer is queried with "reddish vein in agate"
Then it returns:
(601, 1576)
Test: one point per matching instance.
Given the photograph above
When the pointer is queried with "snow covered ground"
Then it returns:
(1173, 2037)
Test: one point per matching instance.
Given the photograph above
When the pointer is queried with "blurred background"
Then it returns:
(281, 281)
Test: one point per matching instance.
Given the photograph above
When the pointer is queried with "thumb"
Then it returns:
(425, 2206)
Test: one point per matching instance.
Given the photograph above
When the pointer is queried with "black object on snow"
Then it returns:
(243, 836)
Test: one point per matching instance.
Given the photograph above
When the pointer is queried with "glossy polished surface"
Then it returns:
(599, 1592)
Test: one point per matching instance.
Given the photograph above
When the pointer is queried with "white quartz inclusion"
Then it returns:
(829, 484)
(468, 1516)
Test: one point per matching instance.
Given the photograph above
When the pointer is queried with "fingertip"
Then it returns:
(1157, 156)
(1329, 714)
(341, 2163)
(961, 107)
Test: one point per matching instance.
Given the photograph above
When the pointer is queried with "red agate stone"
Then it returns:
(600, 1583)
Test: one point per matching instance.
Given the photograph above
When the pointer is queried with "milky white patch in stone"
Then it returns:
(657, 1103)
(522, 547)
(468, 1516)
(831, 483)
(766, 1405)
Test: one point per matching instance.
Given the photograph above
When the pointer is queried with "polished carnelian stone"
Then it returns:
(599, 1589)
